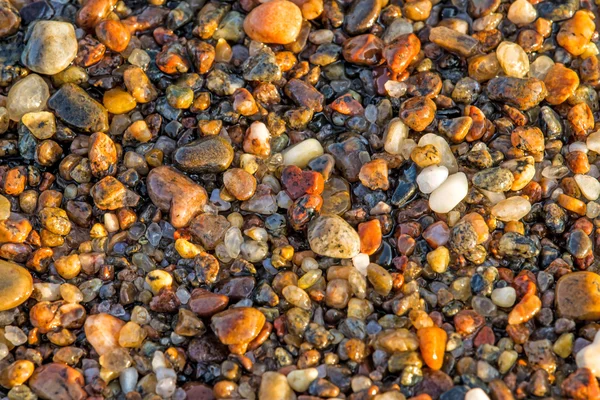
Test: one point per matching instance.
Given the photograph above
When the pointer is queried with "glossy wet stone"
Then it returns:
(331, 236)
(175, 193)
(50, 48)
(523, 93)
(209, 154)
(77, 109)
(238, 325)
(17, 285)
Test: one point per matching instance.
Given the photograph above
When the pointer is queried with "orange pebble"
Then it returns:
(370, 236)
(432, 342)
(526, 309)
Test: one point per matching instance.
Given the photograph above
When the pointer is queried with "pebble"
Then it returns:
(589, 186)
(175, 193)
(523, 93)
(453, 41)
(588, 357)
(276, 22)
(51, 47)
(449, 194)
(209, 154)
(16, 287)
(76, 108)
(331, 236)
(10, 20)
(477, 393)
(432, 343)
(494, 179)
(561, 83)
(28, 95)
(58, 382)
(431, 178)
(512, 209)
(274, 385)
(361, 16)
(237, 326)
(102, 332)
(301, 153)
(504, 297)
(521, 12)
(299, 380)
(448, 159)
(577, 296)
(576, 33)
(512, 57)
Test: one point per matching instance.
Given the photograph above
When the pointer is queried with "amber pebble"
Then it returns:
(571, 204)
(238, 325)
(102, 332)
(525, 310)
(118, 101)
(16, 285)
(58, 382)
(432, 343)
(363, 50)
(16, 373)
(276, 22)
(94, 11)
(528, 138)
(561, 83)
(374, 174)
(418, 112)
(576, 33)
(370, 236)
(581, 119)
(244, 103)
(113, 34)
(400, 54)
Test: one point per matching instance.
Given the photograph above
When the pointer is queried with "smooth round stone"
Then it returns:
(301, 379)
(431, 178)
(476, 394)
(578, 296)
(504, 297)
(238, 325)
(16, 285)
(302, 153)
(521, 12)
(593, 142)
(589, 186)
(512, 59)
(57, 381)
(540, 67)
(50, 48)
(30, 94)
(211, 154)
(449, 194)
(511, 209)
(276, 22)
(274, 386)
(4, 208)
(331, 236)
(102, 332)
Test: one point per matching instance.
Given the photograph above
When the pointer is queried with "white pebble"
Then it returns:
(449, 194)
(396, 133)
(588, 356)
(361, 261)
(431, 178)
(511, 209)
(504, 297)
(476, 394)
(27, 95)
(521, 12)
(593, 142)
(300, 379)
(512, 59)
(590, 187)
(301, 153)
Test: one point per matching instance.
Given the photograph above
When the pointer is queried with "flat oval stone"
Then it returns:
(238, 325)
(275, 22)
(57, 381)
(76, 108)
(51, 47)
(523, 93)
(578, 296)
(331, 236)
(211, 154)
(16, 285)
(362, 16)
(173, 192)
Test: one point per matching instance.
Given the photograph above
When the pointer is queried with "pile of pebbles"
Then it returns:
(305, 199)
